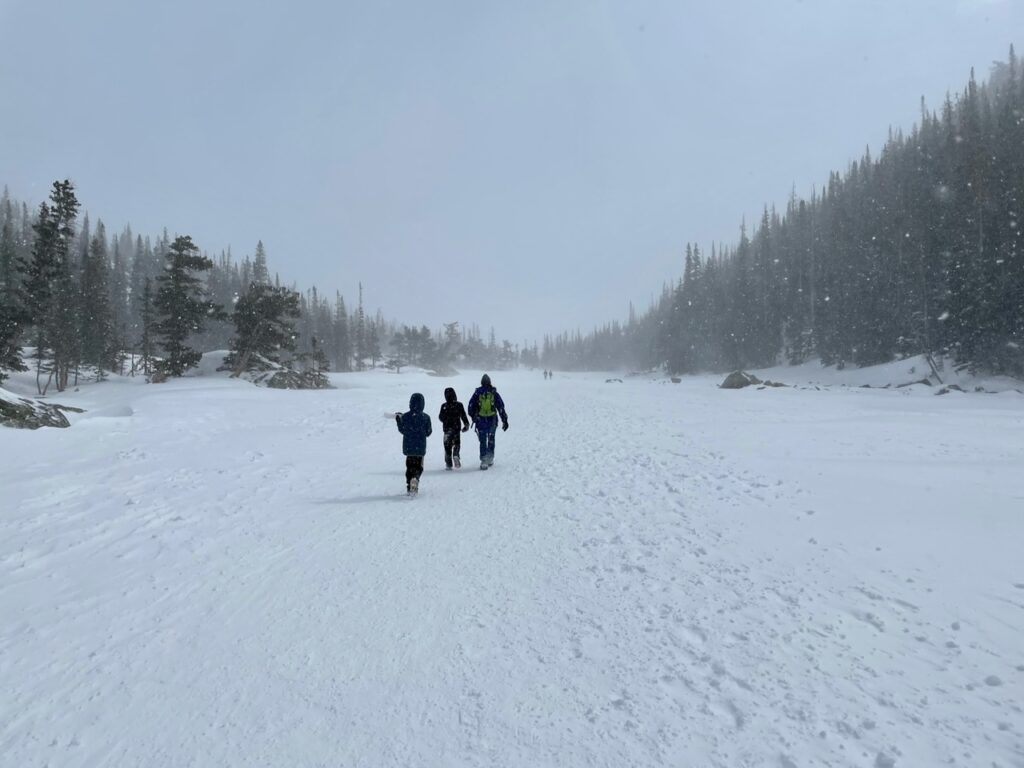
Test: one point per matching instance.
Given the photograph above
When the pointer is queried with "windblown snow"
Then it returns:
(206, 573)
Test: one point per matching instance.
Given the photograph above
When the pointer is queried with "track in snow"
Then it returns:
(207, 573)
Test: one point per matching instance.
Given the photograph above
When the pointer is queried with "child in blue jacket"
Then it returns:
(415, 427)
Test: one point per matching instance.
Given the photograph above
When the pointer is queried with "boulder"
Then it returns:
(739, 380)
(24, 413)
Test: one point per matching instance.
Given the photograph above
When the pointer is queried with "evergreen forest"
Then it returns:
(916, 249)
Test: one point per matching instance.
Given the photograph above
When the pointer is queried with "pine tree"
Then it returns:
(361, 335)
(118, 292)
(97, 332)
(9, 278)
(148, 320)
(264, 327)
(141, 271)
(13, 317)
(373, 349)
(182, 306)
(342, 341)
(50, 297)
(260, 273)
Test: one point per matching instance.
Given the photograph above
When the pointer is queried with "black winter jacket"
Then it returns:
(453, 415)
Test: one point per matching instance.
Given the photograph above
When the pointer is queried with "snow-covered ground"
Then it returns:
(205, 573)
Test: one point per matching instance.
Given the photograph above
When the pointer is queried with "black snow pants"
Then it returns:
(413, 468)
(452, 445)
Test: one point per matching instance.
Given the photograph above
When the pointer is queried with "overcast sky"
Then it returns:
(530, 165)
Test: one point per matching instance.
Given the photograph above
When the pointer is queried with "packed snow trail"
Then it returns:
(207, 573)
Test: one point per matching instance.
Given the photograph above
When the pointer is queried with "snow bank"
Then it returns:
(894, 374)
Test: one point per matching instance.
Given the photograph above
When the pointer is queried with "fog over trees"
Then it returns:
(87, 303)
(915, 250)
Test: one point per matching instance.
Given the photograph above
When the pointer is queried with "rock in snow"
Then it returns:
(739, 380)
(25, 413)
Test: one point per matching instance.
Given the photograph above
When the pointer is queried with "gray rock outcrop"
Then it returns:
(25, 413)
(739, 380)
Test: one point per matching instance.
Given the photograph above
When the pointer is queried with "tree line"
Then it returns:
(917, 250)
(85, 302)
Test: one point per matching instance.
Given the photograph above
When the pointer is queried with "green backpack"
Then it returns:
(486, 404)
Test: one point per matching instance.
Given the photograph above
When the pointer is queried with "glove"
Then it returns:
(504, 426)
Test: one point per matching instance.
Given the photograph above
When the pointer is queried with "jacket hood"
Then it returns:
(485, 381)
(450, 396)
(416, 403)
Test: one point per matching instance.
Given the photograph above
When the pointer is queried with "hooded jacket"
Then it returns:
(453, 414)
(415, 427)
(499, 404)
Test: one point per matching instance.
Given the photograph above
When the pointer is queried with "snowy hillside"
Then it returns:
(209, 573)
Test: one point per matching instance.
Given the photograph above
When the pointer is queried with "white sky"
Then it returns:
(532, 165)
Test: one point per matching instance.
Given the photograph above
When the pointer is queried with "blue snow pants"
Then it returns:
(486, 427)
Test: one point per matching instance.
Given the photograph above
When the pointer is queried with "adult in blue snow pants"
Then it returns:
(485, 408)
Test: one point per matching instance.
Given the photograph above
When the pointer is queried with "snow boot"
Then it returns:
(414, 486)
(458, 463)
(484, 465)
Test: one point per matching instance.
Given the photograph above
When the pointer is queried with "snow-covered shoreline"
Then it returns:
(209, 573)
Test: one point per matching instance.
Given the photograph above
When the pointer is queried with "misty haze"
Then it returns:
(575, 384)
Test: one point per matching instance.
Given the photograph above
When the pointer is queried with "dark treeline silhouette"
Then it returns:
(84, 300)
(919, 250)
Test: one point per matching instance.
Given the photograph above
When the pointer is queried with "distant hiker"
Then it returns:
(415, 428)
(545, 374)
(453, 421)
(485, 406)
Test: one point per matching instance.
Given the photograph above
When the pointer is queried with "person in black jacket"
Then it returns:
(453, 420)
(415, 427)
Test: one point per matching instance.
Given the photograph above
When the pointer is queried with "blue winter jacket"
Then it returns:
(499, 408)
(415, 427)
